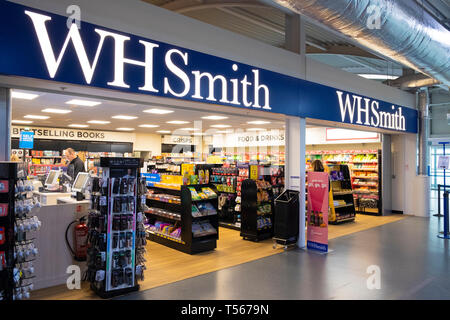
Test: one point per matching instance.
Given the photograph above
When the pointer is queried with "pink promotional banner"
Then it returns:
(317, 228)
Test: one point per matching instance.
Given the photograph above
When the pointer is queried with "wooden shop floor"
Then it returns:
(166, 265)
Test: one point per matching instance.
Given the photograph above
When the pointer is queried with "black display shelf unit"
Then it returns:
(8, 179)
(274, 174)
(117, 184)
(249, 207)
(362, 203)
(342, 190)
(10, 173)
(184, 219)
(228, 217)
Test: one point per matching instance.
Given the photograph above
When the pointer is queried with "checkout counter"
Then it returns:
(58, 211)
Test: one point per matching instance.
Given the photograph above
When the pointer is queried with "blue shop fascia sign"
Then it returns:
(40, 45)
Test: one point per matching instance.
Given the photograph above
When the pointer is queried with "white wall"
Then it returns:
(410, 193)
(148, 142)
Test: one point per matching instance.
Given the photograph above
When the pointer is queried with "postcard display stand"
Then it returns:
(116, 232)
(17, 225)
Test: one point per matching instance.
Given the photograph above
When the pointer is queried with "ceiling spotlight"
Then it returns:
(22, 121)
(123, 117)
(177, 122)
(32, 116)
(98, 122)
(149, 126)
(78, 125)
(258, 122)
(83, 103)
(214, 118)
(54, 110)
(125, 129)
(23, 95)
(163, 131)
(158, 111)
(256, 129)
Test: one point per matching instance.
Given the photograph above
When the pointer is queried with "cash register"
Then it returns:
(80, 184)
(51, 182)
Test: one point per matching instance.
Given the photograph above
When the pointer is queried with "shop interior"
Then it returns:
(198, 214)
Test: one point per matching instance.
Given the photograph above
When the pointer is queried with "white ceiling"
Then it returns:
(109, 108)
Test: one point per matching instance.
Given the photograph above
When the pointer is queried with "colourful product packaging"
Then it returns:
(3, 209)
(2, 235)
(4, 186)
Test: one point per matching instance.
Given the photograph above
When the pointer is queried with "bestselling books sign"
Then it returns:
(317, 231)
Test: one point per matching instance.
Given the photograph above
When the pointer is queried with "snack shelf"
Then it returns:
(184, 226)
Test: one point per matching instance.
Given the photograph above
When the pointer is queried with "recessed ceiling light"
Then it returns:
(53, 110)
(75, 125)
(177, 122)
(84, 103)
(149, 126)
(122, 117)
(23, 95)
(215, 118)
(163, 131)
(256, 129)
(198, 134)
(32, 116)
(158, 111)
(190, 129)
(258, 122)
(225, 131)
(221, 126)
(125, 129)
(98, 122)
(22, 121)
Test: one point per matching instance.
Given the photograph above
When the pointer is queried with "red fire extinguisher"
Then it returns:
(80, 235)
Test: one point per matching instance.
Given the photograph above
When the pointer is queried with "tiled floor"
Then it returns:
(414, 264)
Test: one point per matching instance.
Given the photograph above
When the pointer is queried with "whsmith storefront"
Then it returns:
(137, 54)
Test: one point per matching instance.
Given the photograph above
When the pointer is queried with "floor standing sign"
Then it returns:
(317, 230)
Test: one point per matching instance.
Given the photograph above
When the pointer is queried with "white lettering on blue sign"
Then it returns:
(368, 113)
(240, 89)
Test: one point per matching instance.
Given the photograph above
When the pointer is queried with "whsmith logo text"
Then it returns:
(365, 111)
(247, 91)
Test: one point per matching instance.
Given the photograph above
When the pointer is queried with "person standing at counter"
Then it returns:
(76, 165)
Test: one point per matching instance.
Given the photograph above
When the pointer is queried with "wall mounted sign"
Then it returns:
(168, 139)
(26, 140)
(250, 139)
(38, 44)
(73, 134)
(317, 230)
(334, 134)
(443, 162)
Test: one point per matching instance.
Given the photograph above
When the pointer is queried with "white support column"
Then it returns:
(5, 124)
(295, 166)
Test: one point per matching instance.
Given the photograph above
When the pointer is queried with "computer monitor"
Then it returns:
(52, 178)
(81, 181)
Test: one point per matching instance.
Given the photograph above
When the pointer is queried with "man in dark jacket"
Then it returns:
(76, 165)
